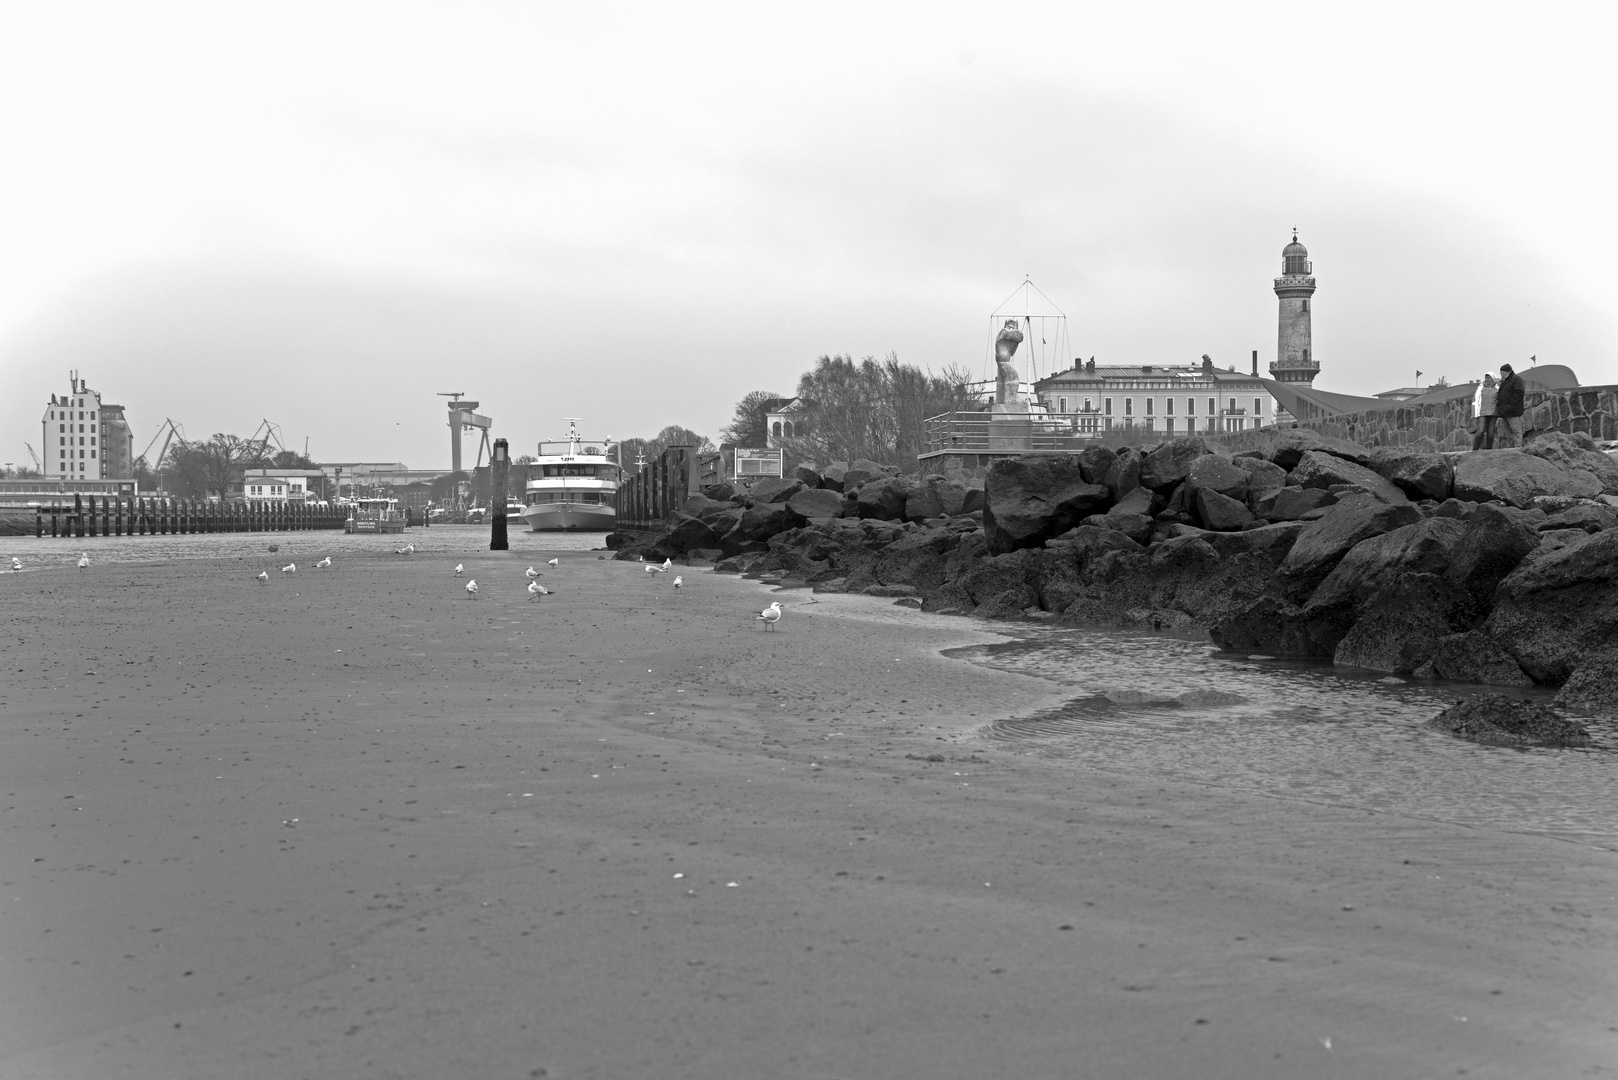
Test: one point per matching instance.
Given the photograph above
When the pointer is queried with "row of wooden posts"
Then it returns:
(659, 489)
(121, 515)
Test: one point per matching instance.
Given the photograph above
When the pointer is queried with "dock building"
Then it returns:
(85, 438)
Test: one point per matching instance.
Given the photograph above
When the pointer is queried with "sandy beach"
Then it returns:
(351, 823)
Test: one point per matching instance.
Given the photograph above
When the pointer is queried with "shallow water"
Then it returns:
(1154, 705)
(457, 540)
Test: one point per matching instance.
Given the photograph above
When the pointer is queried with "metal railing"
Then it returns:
(981, 432)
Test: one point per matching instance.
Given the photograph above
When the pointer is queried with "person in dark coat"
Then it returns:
(1508, 405)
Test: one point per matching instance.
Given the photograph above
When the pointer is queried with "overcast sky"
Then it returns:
(323, 214)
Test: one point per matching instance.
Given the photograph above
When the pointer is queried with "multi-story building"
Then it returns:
(1165, 401)
(85, 438)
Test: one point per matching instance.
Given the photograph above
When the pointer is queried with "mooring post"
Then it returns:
(499, 465)
(39, 522)
(78, 514)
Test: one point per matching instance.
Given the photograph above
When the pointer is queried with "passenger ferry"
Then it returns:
(572, 485)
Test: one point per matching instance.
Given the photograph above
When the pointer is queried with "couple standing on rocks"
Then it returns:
(1501, 401)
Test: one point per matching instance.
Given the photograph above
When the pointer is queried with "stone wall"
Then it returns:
(1446, 425)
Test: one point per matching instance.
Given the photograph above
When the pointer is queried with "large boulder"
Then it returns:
(1316, 469)
(1399, 629)
(701, 506)
(1474, 657)
(884, 499)
(1496, 539)
(1292, 503)
(1029, 500)
(863, 471)
(1123, 475)
(1138, 527)
(1558, 606)
(1511, 476)
(775, 491)
(1140, 501)
(936, 496)
(720, 492)
(685, 534)
(1497, 720)
(762, 521)
(1321, 546)
(1593, 686)
(1096, 464)
(1264, 478)
(1219, 512)
(1426, 546)
(1419, 476)
(806, 473)
(1576, 452)
(817, 503)
(1271, 542)
(1220, 475)
(1591, 517)
(832, 475)
(1290, 444)
(1169, 463)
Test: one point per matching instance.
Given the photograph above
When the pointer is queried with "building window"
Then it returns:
(1109, 409)
(1258, 406)
(1168, 426)
(92, 453)
(1129, 406)
(1168, 406)
(1306, 356)
(1212, 408)
(1148, 406)
(1191, 406)
(1148, 423)
(1061, 404)
(1128, 423)
(1087, 408)
(1306, 306)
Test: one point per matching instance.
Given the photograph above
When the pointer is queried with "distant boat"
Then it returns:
(572, 485)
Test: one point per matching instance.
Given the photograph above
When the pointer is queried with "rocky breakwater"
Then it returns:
(1496, 567)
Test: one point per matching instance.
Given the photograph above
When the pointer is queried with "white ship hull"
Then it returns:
(593, 517)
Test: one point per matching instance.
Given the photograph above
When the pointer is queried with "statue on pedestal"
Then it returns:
(1008, 383)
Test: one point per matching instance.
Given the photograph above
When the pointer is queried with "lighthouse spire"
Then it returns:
(1294, 353)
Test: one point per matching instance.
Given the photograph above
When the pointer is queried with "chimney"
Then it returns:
(1255, 361)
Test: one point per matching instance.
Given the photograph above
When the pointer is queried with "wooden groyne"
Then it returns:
(646, 499)
(114, 515)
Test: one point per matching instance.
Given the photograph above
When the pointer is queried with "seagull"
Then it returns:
(16, 563)
(650, 569)
(536, 590)
(84, 560)
(666, 564)
(290, 568)
(323, 562)
(472, 589)
(678, 581)
(554, 562)
(408, 549)
(532, 573)
(771, 615)
(458, 569)
(264, 577)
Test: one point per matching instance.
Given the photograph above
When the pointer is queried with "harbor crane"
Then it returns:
(39, 466)
(269, 431)
(463, 414)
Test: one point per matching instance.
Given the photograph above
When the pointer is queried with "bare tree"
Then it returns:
(748, 427)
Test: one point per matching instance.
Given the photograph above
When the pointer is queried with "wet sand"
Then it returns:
(350, 823)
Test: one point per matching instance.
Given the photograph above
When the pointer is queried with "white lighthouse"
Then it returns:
(1294, 355)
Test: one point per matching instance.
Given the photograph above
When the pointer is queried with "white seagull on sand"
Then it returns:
(666, 564)
(650, 569)
(264, 577)
(16, 563)
(554, 562)
(771, 615)
(536, 590)
(408, 549)
(290, 568)
(472, 589)
(678, 581)
(323, 562)
(84, 560)
(532, 573)
(458, 568)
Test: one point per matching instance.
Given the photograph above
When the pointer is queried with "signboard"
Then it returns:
(759, 464)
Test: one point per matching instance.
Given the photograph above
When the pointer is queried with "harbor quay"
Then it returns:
(365, 824)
